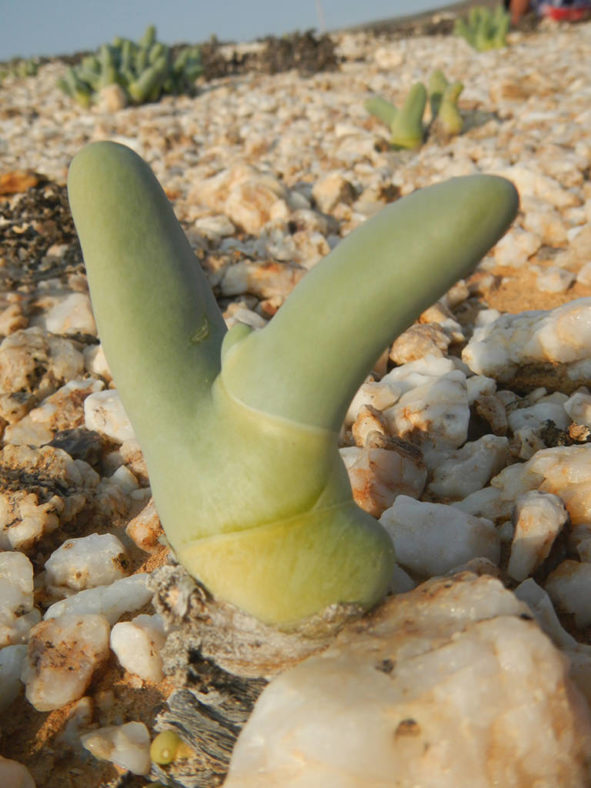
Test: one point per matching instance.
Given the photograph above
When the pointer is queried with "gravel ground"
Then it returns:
(267, 172)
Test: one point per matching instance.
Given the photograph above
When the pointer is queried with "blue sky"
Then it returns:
(51, 27)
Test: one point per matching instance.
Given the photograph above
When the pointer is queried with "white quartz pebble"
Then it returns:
(63, 653)
(516, 247)
(137, 644)
(378, 395)
(145, 528)
(127, 746)
(95, 362)
(569, 587)
(560, 336)
(104, 412)
(470, 468)
(434, 413)
(578, 407)
(17, 614)
(377, 476)
(584, 275)
(112, 601)
(432, 538)
(87, 562)
(453, 684)
(554, 279)
(11, 663)
(539, 518)
(69, 313)
(488, 502)
(14, 774)
(537, 415)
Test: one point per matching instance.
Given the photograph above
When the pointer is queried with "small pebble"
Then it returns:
(123, 596)
(127, 746)
(104, 413)
(539, 518)
(137, 645)
(63, 654)
(569, 587)
(87, 562)
(432, 539)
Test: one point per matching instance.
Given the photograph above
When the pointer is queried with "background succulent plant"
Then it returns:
(484, 28)
(19, 68)
(144, 70)
(406, 122)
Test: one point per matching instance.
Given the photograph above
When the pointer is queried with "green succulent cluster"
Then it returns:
(406, 122)
(19, 68)
(484, 28)
(145, 70)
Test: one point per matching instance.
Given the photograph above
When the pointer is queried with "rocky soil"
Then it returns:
(470, 441)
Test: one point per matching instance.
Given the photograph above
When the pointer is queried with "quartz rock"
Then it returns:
(419, 341)
(264, 280)
(432, 538)
(12, 319)
(63, 654)
(431, 413)
(554, 279)
(248, 197)
(470, 468)
(369, 429)
(489, 502)
(379, 475)
(578, 407)
(67, 313)
(331, 190)
(86, 562)
(127, 746)
(377, 395)
(215, 227)
(516, 247)
(253, 203)
(123, 596)
(560, 337)
(61, 410)
(579, 654)
(569, 587)
(17, 614)
(95, 362)
(458, 661)
(536, 416)
(546, 223)
(79, 716)
(34, 364)
(532, 183)
(52, 489)
(14, 774)
(539, 518)
(137, 645)
(565, 471)
(11, 664)
(104, 413)
(145, 528)
(584, 275)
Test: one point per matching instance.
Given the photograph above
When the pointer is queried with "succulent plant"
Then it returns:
(144, 70)
(240, 428)
(443, 101)
(19, 68)
(484, 28)
(406, 123)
